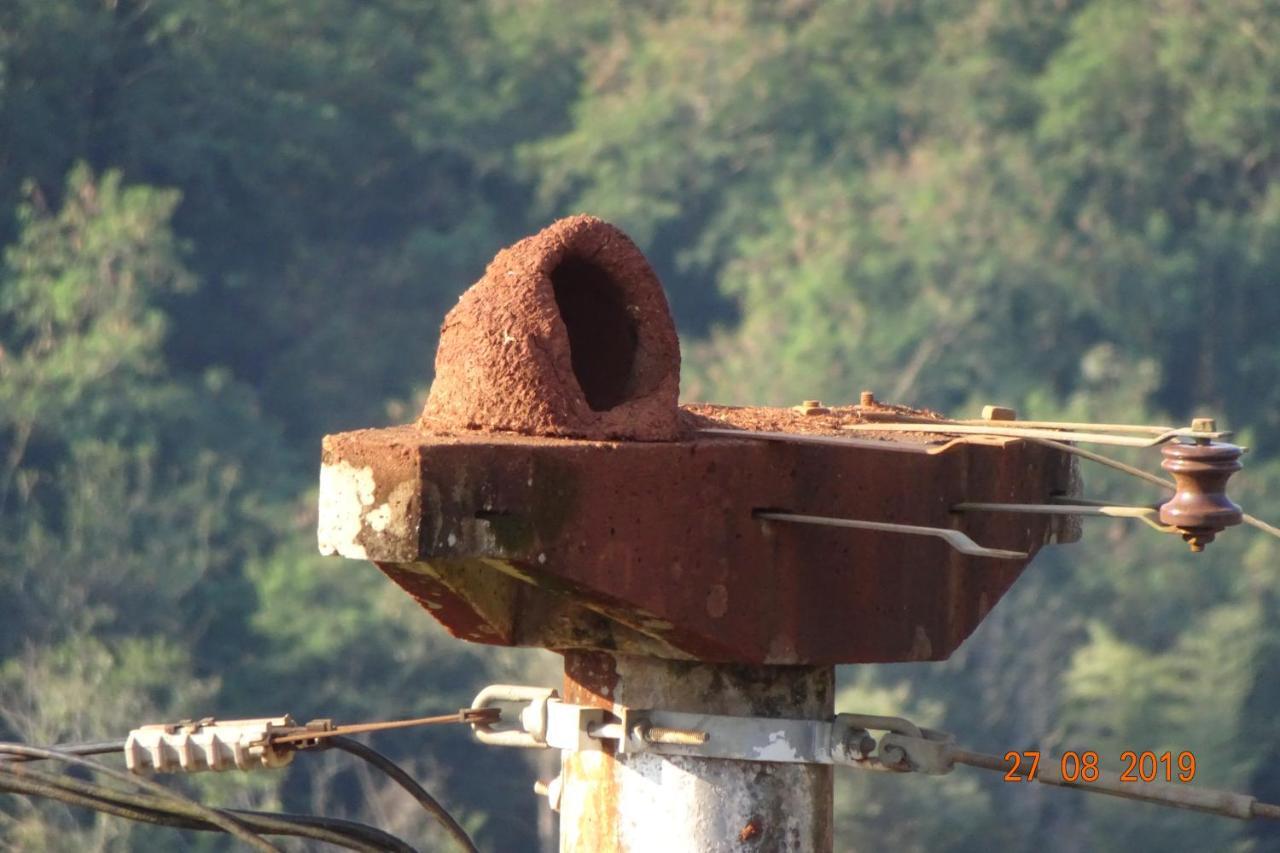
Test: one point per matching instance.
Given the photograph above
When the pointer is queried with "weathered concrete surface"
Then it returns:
(676, 804)
(651, 547)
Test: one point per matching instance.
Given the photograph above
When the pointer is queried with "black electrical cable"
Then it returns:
(270, 824)
(223, 821)
(148, 809)
(376, 839)
(19, 753)
(102, 747)
(407, 782)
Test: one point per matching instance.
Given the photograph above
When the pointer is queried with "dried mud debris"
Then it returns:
(771, 419)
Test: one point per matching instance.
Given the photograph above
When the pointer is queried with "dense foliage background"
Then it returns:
(234, 225)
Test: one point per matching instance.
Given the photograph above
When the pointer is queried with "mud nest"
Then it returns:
(568, 334)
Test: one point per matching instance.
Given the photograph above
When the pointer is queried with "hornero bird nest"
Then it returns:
(568, 334)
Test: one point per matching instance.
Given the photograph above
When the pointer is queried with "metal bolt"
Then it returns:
(866, 398)
(858, 744)
(812, 407)
(676, 737)
(998, 413)
(1204, 425)
(552, 790)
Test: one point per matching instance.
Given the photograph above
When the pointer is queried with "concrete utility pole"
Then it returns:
(685, 804)
(553, 494)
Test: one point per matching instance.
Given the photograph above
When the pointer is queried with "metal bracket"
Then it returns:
(1149, 516)
(192, 746)
(904, 748)
(930, 753)
(955, 538)
(785, 741)
(547, 722)
(942, 427)
(532, 733)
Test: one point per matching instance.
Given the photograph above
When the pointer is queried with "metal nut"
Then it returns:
(812, 407)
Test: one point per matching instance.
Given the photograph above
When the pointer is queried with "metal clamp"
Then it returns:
(532, 733)
(192, 746)
(547, 722)
(930, 753)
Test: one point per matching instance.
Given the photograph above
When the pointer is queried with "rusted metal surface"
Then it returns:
(652, 548)
(553, 494)
(506, 518)
(646, 801)
(1200, 508)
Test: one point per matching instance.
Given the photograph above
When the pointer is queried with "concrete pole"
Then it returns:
(677, 804)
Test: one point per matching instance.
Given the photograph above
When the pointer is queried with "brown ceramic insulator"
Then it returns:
(1200, 507)
(568, 334)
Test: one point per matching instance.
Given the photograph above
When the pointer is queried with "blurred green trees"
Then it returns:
(233, 226)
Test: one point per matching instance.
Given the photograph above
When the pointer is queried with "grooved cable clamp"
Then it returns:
(192, 746)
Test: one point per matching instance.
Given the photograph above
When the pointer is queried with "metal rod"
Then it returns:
(1262, 525)
(1019, 432)
(606, 731)
(1046, 438)
(805, 438)
(1131, 470)
(467, 715)
(1148, 515)
(957, 540)
(1112, 510)
(1182, 796)
(1145, 476)
(841, 441)
(678, 737)
(1143, 429)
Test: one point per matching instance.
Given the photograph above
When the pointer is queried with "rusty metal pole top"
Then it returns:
(554, 494)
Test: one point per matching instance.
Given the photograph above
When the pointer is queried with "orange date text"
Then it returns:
(1084, 766)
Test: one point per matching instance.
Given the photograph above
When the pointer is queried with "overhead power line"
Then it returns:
(195, 746)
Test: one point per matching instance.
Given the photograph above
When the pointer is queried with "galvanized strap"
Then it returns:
(546, 722)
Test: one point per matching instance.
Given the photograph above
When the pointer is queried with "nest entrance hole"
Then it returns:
(602, 334)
